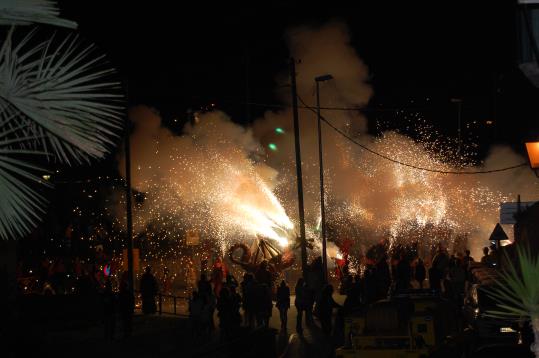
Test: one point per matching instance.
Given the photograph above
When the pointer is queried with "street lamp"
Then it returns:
(533, 156)
(319, 79)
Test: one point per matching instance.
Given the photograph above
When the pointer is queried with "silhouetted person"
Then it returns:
(148, 291)
(372, 287)
(300, 304)
(404, 274)
(248, 290)
(382, 279)
(212, 304)
(310, 299)
(236, 305)
(218, 275)
(196, 311)
(457, 276)
(438, 270)
(283, 303)
(467, 259)
(204, 286)
(231, 281)
(263, 274)
(420, 272)
(354, 297)
(225, 309)
(315, 278)
(325, 309)
(263, 304)
(126, 305)
(109, 311)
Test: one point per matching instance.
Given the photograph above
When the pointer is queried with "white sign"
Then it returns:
(509, 210)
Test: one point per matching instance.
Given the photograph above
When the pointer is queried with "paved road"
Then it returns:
(312, 343)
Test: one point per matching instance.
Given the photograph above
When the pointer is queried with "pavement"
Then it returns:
(311, 343)
(154, 336)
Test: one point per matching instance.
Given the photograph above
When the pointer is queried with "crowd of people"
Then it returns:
(255, 300)
(249, 304)
(446, 274)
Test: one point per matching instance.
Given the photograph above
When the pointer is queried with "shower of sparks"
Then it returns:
(205, 182)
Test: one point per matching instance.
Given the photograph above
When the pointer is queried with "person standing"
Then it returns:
(300, 304)
(218, 276)
(283, 303)
(325, 309)
(109, 311)
(225, 309)
(126, 305)
(148, 291)
(420, 273)
(404, 274)
(467, 260)
(248, 288)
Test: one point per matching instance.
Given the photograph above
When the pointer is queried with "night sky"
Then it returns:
(419, 58)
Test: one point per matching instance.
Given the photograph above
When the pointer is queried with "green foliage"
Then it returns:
(55, 93)
(28, 12)
(516, 292)
(56, 101)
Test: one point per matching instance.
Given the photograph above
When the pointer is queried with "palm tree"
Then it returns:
(516, 292)
(56, 101)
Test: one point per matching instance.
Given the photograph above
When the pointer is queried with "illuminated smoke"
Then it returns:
(369, 198)
(220, 179)
(209, 179)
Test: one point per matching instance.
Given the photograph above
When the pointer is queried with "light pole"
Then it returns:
(533, 156)
(322, 209)
(299, 175)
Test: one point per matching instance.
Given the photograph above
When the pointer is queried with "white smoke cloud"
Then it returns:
(218, 173)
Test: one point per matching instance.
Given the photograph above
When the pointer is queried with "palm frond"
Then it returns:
(61, 93)
(21, 205)
(516, 292)
(28, 12)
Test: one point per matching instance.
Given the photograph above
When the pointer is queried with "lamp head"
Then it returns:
(533, 155)
(323, 78)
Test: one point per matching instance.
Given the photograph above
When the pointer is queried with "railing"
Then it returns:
(167, 304)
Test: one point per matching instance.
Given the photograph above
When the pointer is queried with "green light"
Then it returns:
(279, 130)
(272, 146)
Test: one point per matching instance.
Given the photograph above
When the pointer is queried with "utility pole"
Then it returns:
(299, 176)
(129, 210)
(321, 161)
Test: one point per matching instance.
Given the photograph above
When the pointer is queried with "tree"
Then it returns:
(56, 101)
(516, 292)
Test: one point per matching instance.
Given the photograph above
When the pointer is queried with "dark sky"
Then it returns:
(180, 58)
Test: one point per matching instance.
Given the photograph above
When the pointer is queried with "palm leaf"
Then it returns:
(21, 205)
(27, 12)
(516, 292)
(62, 95)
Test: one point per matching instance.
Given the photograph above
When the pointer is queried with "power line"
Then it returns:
(305, 106)
(364, 147)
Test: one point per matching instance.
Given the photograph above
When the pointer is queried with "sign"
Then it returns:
(192, 237)
(509, 210)
(136, 260)
(498, 234)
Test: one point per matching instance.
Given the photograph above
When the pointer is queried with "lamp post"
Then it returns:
(533, 156)
(322, 209)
